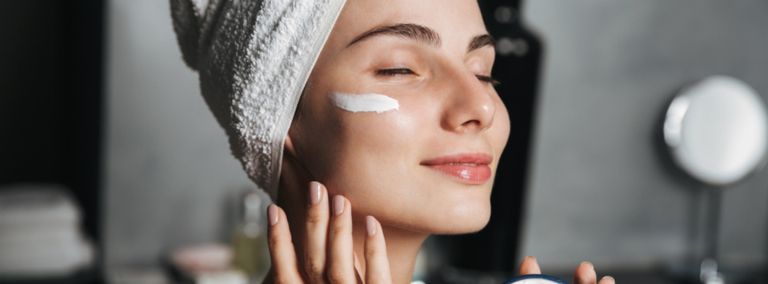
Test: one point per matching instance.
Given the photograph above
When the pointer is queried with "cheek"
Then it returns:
(382, 141)
(374, 158)
(358, 147)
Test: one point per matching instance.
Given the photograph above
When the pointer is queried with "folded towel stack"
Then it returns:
(39, 233)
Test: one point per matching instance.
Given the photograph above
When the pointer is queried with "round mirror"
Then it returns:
(717, 130)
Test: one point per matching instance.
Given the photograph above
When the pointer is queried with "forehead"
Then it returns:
(456, 21)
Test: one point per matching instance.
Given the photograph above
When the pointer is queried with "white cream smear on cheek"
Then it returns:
(371, 102)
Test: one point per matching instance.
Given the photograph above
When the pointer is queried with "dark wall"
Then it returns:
(50, 98)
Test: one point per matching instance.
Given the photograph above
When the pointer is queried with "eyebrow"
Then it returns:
(419, 33)
(481, 41)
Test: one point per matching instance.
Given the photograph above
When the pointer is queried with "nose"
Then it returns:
(470, 104)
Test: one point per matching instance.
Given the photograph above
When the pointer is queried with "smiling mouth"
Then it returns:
(471, 169)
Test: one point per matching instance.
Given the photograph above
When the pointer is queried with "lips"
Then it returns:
(466, 168)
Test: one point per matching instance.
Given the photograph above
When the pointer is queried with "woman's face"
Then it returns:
(427, 166)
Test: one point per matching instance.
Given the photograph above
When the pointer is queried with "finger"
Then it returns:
(585, 274)
(358, 269)
(281, 250)
(340, 263)
(607, 280)
(316, 233)
(529, 266)
(376, 260)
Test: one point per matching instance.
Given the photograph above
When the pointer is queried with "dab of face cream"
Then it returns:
(364, 102)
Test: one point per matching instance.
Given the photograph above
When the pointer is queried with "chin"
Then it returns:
(462, 219)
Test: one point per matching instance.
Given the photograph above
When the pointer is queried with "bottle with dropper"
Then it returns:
(249, 241)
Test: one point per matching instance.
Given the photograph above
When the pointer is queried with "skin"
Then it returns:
(376, 161)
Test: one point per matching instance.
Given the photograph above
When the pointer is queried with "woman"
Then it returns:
(397, 134)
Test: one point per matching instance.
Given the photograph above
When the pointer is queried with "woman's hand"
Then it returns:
(328, 255)
(585, 273)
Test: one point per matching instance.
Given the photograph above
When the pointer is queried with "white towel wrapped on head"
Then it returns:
(253, 58)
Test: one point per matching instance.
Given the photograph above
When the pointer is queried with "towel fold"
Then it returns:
(40, 233)
(254, 58)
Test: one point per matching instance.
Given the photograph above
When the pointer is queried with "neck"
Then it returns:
(402, 245)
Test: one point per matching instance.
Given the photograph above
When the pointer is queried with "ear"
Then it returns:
(288, 147)
(294, 131)
(187, 21)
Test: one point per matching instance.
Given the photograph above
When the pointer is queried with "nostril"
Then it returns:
(471, 116)
(469, 123)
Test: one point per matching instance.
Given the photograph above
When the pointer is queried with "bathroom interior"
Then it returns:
(639, 142)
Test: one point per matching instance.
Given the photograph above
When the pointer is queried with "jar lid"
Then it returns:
(535, 279)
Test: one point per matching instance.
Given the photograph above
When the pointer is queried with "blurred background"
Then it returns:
(112, 169)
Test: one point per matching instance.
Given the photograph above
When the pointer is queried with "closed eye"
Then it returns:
(395, 72)
(406, 71)
(488, 79)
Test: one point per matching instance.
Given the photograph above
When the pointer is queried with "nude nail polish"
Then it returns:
(272, 214)
(338, 205)
(315, 192)
(534, 263)
(590, 265)
(370, 225)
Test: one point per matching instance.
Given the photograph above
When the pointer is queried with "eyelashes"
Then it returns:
(405, 71)
(395, 72)
(488, 79)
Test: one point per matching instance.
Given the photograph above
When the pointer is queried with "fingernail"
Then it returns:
(590, 265)
(370, 225)
(535, 262)
(338, 205)
(272, 214)
(608, 278)
(314, 193)
(532, 264)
